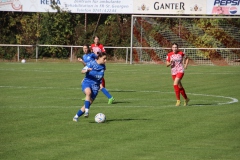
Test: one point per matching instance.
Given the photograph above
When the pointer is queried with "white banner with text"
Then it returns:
(189, 7)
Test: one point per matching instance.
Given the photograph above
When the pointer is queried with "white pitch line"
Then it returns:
(26, 87)
(232, 99)
(39, 70)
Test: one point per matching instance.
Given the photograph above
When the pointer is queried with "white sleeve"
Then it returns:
(85, 68)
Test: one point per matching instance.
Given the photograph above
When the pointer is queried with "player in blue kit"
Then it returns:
(102, 86)
(89, 56)
(94, 71)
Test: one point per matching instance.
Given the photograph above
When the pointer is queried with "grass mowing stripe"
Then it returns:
(233, 100)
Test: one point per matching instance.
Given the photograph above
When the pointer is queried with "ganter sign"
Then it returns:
(169, 7)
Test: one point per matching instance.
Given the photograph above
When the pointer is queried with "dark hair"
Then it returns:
(96, 37)
(101, 54)
(89, 50)
(175, 44)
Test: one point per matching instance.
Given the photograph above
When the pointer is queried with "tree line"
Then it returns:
(61, 28)
(65, 28)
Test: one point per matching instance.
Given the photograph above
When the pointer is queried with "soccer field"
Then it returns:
(39, 100)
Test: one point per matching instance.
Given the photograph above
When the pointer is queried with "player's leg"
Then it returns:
(91, 94)
(79, 113)
(106, 93)
(87, 101)
(183, 93)
(103, 82)
(87, 90)
(182, 90)
(83, 99)
(176, 89)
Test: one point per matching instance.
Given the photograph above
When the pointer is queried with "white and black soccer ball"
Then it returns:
(23, 61)
(100, 118)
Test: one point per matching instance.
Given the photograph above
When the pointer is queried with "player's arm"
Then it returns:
(102, 47)
(86, 69)
(168, 61)
(185, 62)
(81, 60)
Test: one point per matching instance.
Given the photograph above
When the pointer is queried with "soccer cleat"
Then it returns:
(86, 114)
(75, 119)
(186, 101)
(178, 103)
(110, 101)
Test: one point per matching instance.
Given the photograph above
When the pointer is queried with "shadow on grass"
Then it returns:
(201, 104)
(121, 91)
(120, 102)
(125, 119)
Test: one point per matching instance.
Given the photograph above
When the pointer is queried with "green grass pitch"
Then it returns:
(38, 101)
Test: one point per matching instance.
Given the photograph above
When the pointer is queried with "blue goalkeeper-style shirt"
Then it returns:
(96, 74)
(89, 57)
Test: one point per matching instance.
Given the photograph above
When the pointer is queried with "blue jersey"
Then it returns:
(96, 74)
(89, 57)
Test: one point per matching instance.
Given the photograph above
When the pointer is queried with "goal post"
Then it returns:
(211, 40)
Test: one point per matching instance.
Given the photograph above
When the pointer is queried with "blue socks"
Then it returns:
(87, 106)
(79, 113)
(106, 93)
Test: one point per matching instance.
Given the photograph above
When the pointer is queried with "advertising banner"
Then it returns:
(223, 7)
(169, 7)
(74, 6)
(188, 7)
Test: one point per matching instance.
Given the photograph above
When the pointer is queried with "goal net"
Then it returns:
(205, 40)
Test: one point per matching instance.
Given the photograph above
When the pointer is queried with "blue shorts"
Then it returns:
(94, 88)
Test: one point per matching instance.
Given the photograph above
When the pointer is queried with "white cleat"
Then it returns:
(86, 114)
(75, 119)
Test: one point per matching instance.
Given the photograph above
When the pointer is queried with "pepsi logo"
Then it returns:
(233, 10)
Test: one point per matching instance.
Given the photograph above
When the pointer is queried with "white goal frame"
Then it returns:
(133, 17)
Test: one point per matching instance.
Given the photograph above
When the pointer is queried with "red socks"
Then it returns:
(182, 91)
(178, 91)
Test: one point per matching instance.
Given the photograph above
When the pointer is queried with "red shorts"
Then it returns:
(178, 75)
(103, 82)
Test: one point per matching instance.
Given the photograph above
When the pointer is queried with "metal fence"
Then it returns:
(67, 46)
(198, 56)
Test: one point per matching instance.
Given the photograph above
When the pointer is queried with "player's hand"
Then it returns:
(80, 59)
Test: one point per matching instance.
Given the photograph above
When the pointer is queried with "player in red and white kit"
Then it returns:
(178, 62)
(97, 44)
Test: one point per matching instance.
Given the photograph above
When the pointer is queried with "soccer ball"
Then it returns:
(23, 61)
(100, 118)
